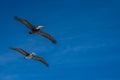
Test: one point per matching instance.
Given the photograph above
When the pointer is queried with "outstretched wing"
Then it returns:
(25, 22)
(47, 36)
(21, 51)
(40, 59)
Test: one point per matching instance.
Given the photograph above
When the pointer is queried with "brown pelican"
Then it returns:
(29, 56)
(35, 29)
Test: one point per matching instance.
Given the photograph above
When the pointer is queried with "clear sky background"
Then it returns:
(87, 32)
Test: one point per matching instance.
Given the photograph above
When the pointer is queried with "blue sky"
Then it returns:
(87, 32)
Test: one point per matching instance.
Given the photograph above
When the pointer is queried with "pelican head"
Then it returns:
(32, 53)
(30, 56)
(39, 27)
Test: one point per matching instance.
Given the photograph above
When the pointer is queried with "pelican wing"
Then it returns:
(47, 36)
(25, 22)
(21, 51)
(40, 59)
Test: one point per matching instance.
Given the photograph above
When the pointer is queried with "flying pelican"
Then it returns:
(35, 29)
(29, 56)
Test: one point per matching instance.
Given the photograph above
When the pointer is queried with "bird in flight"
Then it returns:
(30, 56)
(35, 29)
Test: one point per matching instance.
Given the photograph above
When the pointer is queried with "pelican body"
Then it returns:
(34, 29)
(30, 56)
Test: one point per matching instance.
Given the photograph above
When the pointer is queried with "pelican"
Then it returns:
(29, 56)
(35, 29)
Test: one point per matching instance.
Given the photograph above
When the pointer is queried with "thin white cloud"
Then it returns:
(78, 48)
(7, 58)
(71, 55)
(107, 79)
(86, 61)
(73, 37)
(10, 77)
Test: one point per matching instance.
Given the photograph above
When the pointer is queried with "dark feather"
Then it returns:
(21, 51)
(34, 30)
(47, 36)
(25, 22)
(40, 59)
(27, 54)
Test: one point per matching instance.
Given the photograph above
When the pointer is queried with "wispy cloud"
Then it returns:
(86, 61)
(9, 77)
(108, 79)
(7, 58)
(75, 54)
(71, 37)
(78, 48)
